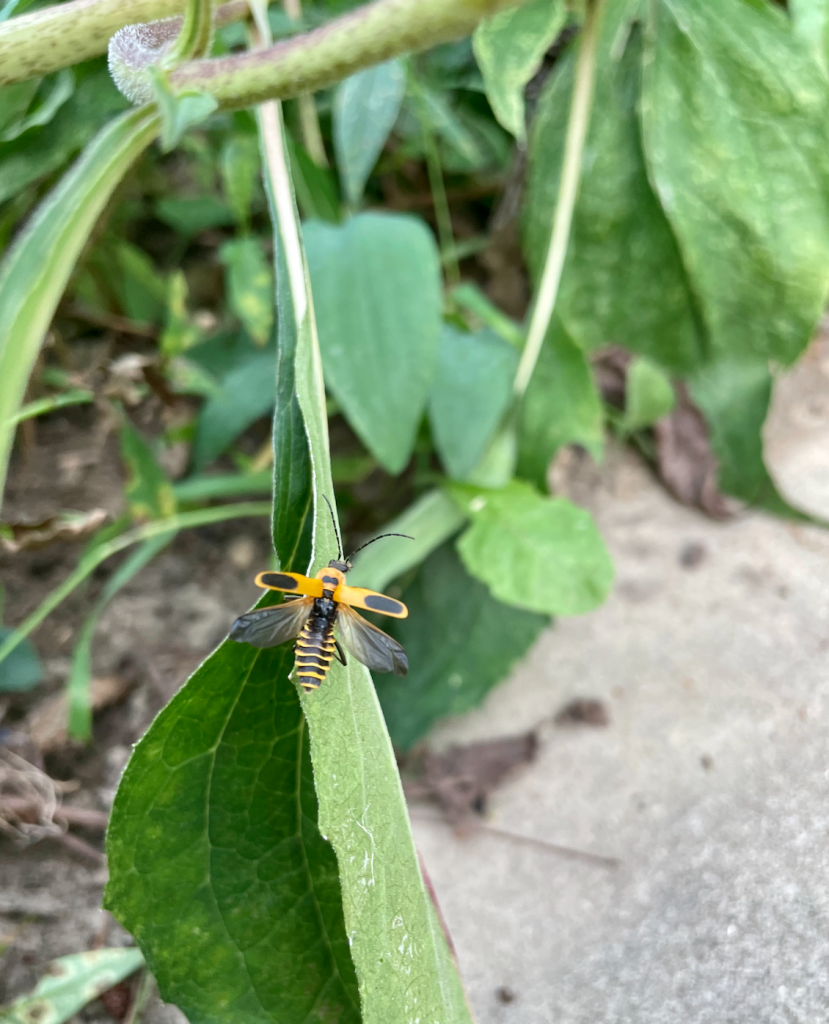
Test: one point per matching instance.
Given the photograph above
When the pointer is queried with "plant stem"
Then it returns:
(577, 126)
(65, 34)
(362, 38)
(90, 561)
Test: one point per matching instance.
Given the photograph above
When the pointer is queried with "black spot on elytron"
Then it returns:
(332, 581)
(279, 580)
(378, 603)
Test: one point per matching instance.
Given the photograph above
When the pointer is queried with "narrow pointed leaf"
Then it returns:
(36, 268)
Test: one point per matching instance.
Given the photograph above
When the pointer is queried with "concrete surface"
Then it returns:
(711, 783)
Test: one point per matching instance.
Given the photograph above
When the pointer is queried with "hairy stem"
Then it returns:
(65, 34)
(577, 126)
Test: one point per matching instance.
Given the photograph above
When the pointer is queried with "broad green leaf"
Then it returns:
(35, 269)
(22, 670)
(70, 983)
(461, 642)
(810, 21)
(509, 48)
(624, 280)
(42, 151)
(366, 106)
(243, 396)
(216, 865)
(471, 390)
(431, 520)
(149, 492)
(734, 396)
(542, 554)
(249, 285)
(561, 406)
(736, 134)
(377, 299)
(240, 168)
(649, 395)
(80, 674)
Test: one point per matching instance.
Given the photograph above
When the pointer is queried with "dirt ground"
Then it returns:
(707, 784)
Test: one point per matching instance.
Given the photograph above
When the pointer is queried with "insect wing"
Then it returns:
(370, 645)
(359, 597)
(268, 627)
(291, 582)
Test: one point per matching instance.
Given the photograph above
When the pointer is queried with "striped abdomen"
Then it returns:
(315, 648)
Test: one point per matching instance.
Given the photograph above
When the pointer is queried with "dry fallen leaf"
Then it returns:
(684, 459)
(66, 527)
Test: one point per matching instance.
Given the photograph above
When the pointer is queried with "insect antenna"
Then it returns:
(372, 541)
(336, 531)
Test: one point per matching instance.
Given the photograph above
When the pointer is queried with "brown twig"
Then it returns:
(112, 321)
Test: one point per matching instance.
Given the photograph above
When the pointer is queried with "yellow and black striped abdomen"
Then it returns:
(314, 651)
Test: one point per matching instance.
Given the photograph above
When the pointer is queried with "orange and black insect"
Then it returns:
(319, 604)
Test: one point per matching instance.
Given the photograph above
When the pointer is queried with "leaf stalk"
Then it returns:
(577, 127)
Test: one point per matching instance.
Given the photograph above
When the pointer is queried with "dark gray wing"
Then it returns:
(268, 627)
(371, 645)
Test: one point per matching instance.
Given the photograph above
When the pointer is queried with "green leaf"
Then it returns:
(240, 168)
(735, 129)
(561, 406)
(143, 291)
(376, 283)
(734, 396)
(470, 393)
(22, 670)
(366, 106)
(70, 983)
(810, 22)
(180, 332)
(624, 279)
(649, 395)
(216, 865)
(244, 395)
(42, 151)
(179, 111)
(316, 189)
(461, 642)
(542, 554)
(249, 285)
(56, 91)
(80, 674)
(36, 268)
(509, 48)
(149, 493)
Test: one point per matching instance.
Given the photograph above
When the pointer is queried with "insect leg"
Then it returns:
(340, 652)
